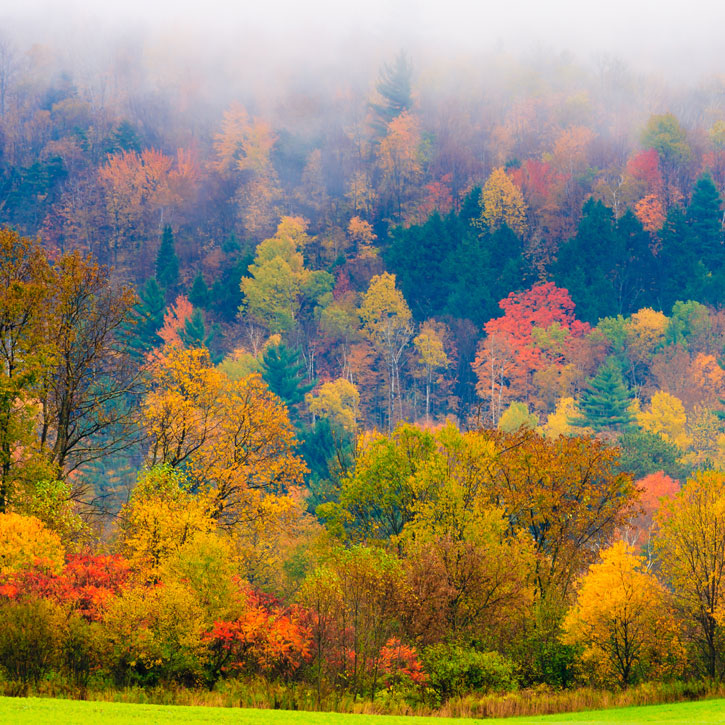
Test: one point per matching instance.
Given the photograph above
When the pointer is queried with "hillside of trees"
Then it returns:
(405, 391)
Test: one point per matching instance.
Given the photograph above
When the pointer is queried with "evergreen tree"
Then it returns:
(199, 293)
(681, 274)
(394, 87)
(195, 334)
(146, 319)
(283, 371)
(644, 453)
(605, 402)
(704, 219)
(167, 263)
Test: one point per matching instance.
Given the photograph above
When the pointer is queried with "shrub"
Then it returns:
(455, 670)
(29, 639)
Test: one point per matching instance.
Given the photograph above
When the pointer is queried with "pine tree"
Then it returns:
(167, 263)
(146, 319)
(704, 218)
(195, 334)
(283, 371)
(394, 89)
(199, 294)
(605, 403)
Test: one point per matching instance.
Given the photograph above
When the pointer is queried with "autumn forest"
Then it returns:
(401, 391)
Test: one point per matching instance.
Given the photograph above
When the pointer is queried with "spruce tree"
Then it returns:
(146, 319)
(199, 293)
(195, 334)
(704, 217)
(604, 404)
(284, 372)
(394, 88)
(167, 263)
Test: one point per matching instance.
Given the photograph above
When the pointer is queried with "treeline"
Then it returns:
(406, 569)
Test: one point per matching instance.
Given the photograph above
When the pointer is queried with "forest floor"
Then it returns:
(75, 712)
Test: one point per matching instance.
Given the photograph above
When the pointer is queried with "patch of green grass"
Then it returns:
(73, 712)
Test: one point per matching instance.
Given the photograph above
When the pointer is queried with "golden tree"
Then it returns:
(234, 438)
(387, 323)
(502, 203)
(621, 617)
(690, 545)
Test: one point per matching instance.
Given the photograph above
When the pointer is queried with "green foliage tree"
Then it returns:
(145, 319)
(284, 372)
(167, 263)
(394, 91)
(199, 293)
(604, 404)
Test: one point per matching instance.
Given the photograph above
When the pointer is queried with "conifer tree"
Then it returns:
(283, 371)
(167, 263)
(199, 294)
(604, 404)
(146, 319)
(704, 218)
(394, 89)
(195, 334)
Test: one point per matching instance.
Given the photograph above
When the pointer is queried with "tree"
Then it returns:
(620, 616)
(244, 153)
(378, 498)
(25, 353)
(704, 219)
(233, 438)
(195, 334)
(604, 404)
(502, 203)
(532, 320)
(145, 319)
(429, 344)
(167, 263)
(665, 135)
(161, 515)
(567, 493)
(284, 372)
(666, 418)
(339, 401)
(386, 321)
(26, 543)
(199, 293)
(279, 283)
(399, 159)
(87, 394)
(517, 416)
(394, 89)
(690, 546)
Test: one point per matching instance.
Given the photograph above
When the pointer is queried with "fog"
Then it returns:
(675, 39)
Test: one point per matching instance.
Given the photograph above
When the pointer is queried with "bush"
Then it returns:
(29, 639)
(455, 670)
(83, 651)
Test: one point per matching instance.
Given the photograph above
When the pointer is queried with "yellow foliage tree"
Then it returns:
(26, 543)
(645, 333)
(557, 423)
(162, 516)
(233, 438)
(429, 344)
(690, 545)
(387, 323)
(621, 617)
(502, 203)
(339, 401)
(666, 417)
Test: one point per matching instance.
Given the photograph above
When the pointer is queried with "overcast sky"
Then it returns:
(680, 37)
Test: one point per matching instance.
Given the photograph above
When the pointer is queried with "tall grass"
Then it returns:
(260, 693)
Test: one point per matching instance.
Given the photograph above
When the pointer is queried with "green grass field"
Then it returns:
(64, 712)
